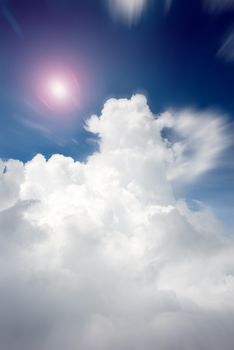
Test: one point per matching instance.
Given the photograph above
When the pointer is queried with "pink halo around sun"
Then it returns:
(58, 90)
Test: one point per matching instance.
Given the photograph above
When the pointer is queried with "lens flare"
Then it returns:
(58, 90)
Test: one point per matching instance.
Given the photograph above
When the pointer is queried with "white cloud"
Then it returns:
(130, 10)
(198, 142)
(101, 255)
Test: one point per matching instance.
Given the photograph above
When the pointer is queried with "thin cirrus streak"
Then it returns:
(217, 6)
(226, 52)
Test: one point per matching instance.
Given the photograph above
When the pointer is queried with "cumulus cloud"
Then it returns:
(102, 255)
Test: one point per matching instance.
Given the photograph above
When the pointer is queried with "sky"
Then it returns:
(116, 174)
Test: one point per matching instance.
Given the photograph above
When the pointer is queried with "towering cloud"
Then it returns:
(102, 255)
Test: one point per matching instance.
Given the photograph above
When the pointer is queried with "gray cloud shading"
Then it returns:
(102, 255)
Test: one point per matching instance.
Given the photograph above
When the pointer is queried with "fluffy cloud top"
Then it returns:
(101, 255)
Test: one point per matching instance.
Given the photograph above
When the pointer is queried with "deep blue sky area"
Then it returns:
(171, 56)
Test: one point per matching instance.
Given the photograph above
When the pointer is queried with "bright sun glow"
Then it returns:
(58, 89)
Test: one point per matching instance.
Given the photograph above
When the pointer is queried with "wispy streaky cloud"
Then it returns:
(226, 52)
(45, 132)
(4, 9)
(201, 139)
(128, 10)
(168, 4)
(35, 125)
(131, 11)
(102, 255)
(216, 6)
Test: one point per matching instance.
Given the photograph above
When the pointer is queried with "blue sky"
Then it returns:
(116, 174)
(173, 56)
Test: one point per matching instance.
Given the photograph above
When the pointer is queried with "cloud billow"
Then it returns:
(102, 255)
(130, 11)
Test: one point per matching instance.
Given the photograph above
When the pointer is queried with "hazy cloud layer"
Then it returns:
(101, 255)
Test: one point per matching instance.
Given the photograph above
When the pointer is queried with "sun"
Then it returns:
(58, 89)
